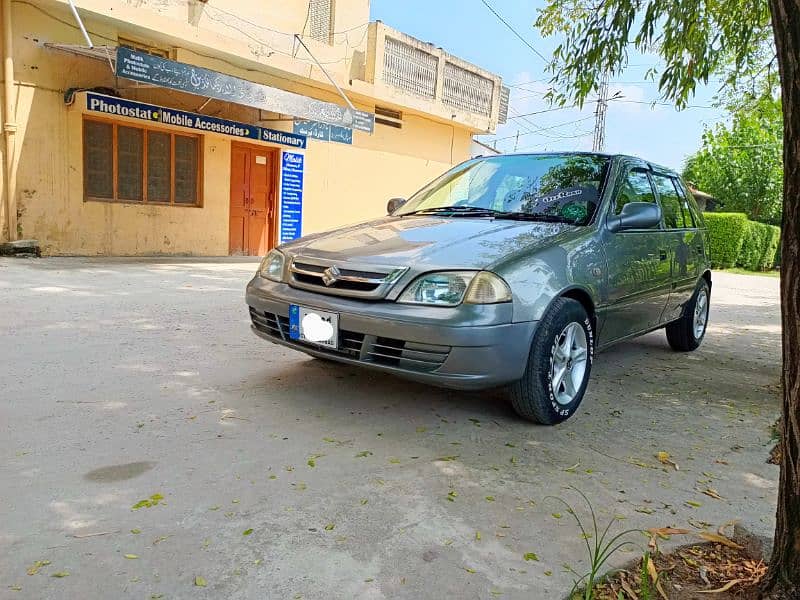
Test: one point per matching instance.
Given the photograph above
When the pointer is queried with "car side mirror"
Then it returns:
(636, 215)
(394, 204)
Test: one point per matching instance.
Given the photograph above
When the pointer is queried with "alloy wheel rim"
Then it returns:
(700, 314)
(568, 363)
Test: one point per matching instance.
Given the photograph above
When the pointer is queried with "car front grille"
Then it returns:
(329, 278)
(391, 352)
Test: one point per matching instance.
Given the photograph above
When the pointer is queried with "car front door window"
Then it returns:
(635, 187)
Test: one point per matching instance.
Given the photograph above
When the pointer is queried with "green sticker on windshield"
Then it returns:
(574, 212)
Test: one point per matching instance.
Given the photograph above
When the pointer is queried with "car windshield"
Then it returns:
(547, 187)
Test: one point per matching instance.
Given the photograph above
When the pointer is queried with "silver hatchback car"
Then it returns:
(509, 270)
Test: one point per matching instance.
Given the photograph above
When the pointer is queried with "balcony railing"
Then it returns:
(409, 68)
(467, 90)
(429, 73)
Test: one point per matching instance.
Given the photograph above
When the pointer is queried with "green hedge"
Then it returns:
(735, 241)
(726, 235)
(772, 255)
(754, 246)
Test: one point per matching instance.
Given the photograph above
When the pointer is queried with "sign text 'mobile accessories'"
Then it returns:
(120, 107)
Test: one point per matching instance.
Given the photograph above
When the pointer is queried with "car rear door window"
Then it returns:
(671, 202)
(686, 209)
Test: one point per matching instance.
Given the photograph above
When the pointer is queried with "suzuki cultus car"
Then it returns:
(509, 270)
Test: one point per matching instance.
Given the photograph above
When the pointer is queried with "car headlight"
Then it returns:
(451, 288)
(272, 266)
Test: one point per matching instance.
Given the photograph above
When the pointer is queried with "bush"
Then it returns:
(754, 247)
(726, 236)
(735, 241)
(772, 254)
(759, 247)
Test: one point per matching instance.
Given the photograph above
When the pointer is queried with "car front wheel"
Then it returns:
(686, 334)
(559, 364)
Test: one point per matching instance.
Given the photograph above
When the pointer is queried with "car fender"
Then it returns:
(539, 278)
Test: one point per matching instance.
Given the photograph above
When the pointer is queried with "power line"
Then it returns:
(534, 128)
(516, 85)
(284, 33)
(540, 129)
(651, 102)
(582, 134)
(514, 31)
(657, 103)
(532, 94)
(547, 110)
(268, 44)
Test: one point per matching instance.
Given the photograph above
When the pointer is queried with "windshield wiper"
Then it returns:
(471, 211)
(523, 216)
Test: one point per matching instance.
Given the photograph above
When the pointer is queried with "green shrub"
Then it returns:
(736, 241)
(759, 247)
(756, 237)
(772, 256)
(726, 236)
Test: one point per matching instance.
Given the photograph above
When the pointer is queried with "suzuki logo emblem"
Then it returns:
(331, 275)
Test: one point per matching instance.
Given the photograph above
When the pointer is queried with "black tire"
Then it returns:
(533, 396)
(681, 334)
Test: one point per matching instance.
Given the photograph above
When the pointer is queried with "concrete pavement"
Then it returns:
(287, 477)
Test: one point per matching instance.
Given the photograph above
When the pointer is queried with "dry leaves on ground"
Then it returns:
(721, 570)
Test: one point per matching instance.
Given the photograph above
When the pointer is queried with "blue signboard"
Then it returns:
(291, 196)
(146, 68)
(323, 131)
(120, 107)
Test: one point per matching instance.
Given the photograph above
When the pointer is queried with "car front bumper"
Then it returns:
(465, 347)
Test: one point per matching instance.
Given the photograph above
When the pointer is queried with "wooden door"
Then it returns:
(252, 199)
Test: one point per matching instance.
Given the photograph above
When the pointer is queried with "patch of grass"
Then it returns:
(739, 271)
(600, 546)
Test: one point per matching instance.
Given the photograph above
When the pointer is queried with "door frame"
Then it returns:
(608, 237)
(272, 211)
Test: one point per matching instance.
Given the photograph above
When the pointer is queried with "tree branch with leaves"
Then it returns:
(694, 40)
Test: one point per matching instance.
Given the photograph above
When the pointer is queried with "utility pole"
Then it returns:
(600, 116)
(516, 141)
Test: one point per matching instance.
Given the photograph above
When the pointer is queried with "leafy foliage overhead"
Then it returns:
(693, 39)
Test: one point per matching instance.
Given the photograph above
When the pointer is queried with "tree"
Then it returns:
(741, 163)
(695, 39)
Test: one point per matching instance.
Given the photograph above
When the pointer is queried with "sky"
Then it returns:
(467, 29)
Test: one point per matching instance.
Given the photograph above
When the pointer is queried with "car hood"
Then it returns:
(428, 242)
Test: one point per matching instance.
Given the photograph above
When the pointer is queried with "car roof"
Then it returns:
(621, 157)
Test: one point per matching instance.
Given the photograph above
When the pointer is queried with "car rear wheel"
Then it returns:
(559, 364)
(687, 333)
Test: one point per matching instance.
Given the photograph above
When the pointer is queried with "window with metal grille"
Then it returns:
(505, 94)
(409, 68)
(127, 163)
(467, 90)
(320, 20)
(146, 48)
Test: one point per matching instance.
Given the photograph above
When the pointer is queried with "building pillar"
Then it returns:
(9, 124)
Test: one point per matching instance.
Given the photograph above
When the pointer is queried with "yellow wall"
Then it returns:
(343, 184)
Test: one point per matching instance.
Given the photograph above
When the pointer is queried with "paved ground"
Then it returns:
(286, 477)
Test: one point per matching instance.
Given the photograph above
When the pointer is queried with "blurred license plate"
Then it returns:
(314, 326)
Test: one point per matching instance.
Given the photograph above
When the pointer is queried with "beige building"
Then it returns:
(205, 127)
